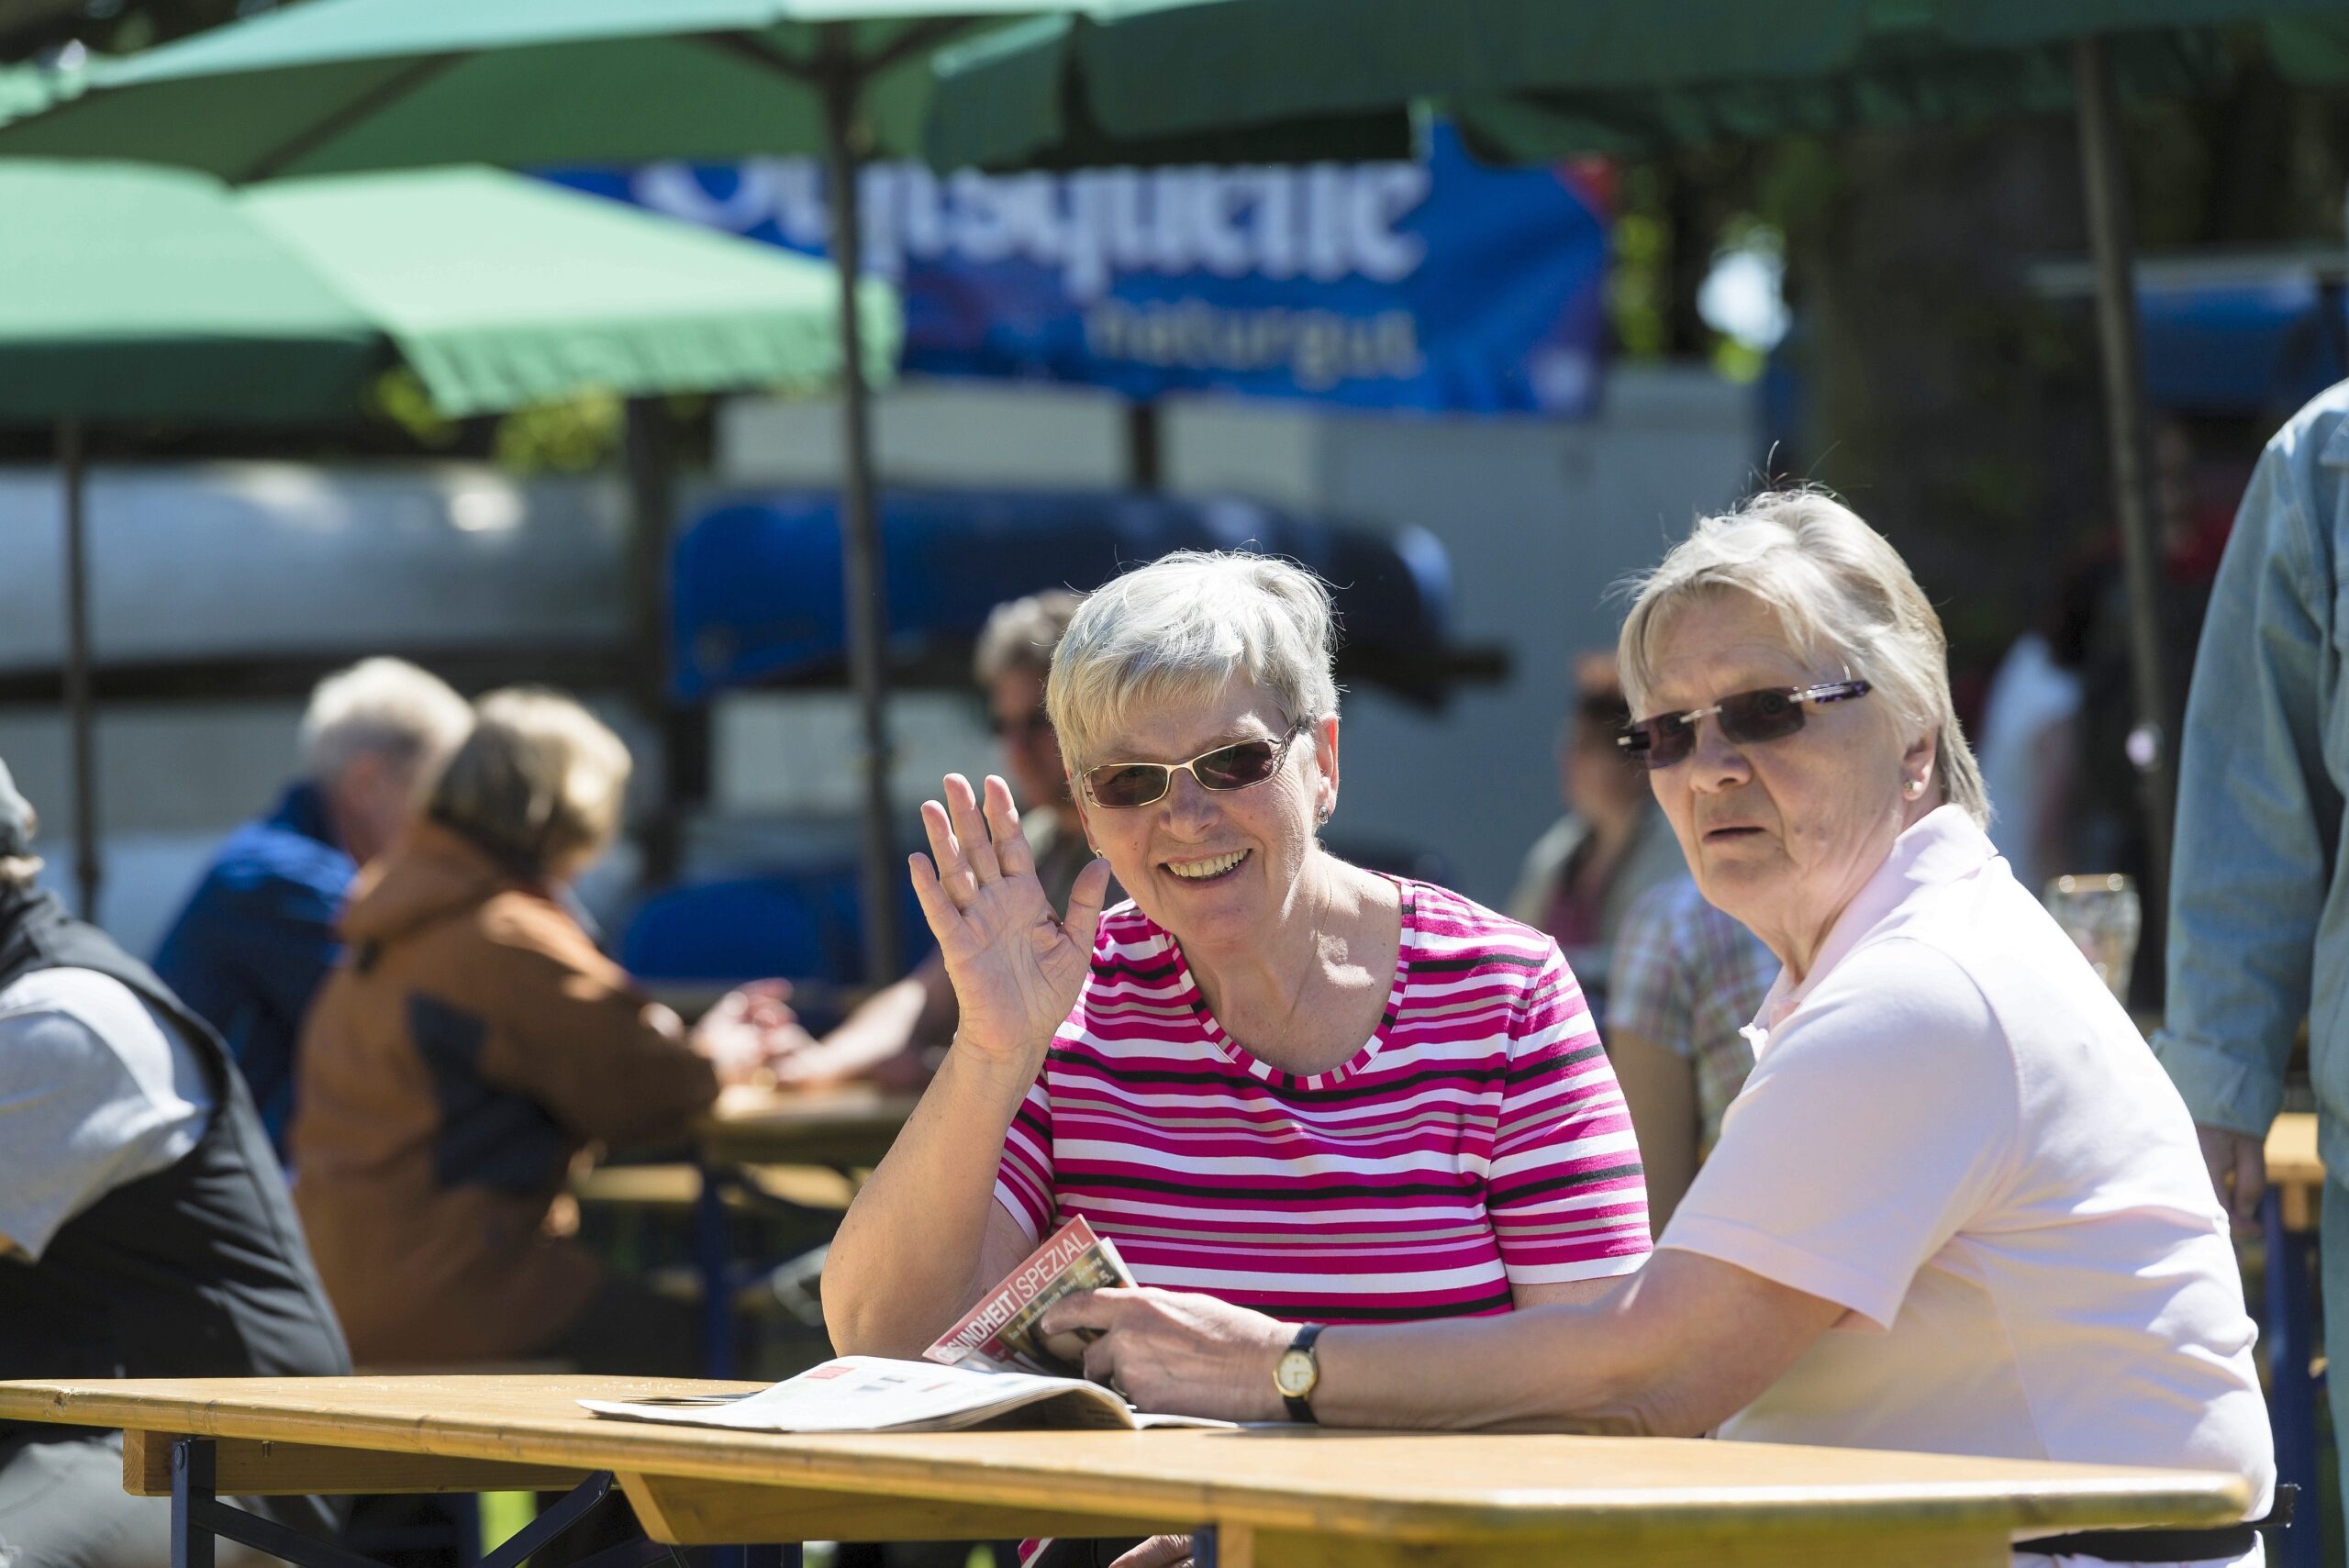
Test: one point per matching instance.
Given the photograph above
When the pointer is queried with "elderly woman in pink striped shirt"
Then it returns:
(1317, 1093)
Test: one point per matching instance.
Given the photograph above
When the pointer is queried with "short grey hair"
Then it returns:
(540, 781)
(383, 708)
(1022, 633)
(1177, 631)
(1842, 596)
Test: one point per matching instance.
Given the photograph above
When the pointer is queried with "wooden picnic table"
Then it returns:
(678, 1186)
(852, 1125)
(1274, 1497)
(846, 1128)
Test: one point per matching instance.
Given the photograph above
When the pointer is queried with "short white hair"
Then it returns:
(1176, 631)
(382, 707)
(1843, 597)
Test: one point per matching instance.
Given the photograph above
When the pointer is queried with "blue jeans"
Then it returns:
(2332, 1268)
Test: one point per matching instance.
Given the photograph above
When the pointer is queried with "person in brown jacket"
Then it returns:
(472, 1043)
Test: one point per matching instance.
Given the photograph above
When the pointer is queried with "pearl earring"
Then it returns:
(1914, 788)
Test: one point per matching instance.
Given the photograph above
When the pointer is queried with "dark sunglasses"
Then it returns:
(1749, 717)
(1118, 785)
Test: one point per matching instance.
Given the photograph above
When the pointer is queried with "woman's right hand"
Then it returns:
(1015, 965)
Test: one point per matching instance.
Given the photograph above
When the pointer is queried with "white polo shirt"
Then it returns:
(1956, 1133)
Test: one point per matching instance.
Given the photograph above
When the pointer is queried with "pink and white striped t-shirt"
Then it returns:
(1477, 1140)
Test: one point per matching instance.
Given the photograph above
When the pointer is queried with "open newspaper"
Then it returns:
(874, 1393)
(995, 1366)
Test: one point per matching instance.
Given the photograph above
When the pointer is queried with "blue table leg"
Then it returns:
(2291, 1395)
(192, 1474)
(713, 1257)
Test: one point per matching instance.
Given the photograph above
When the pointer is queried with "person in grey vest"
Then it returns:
(145, 1229)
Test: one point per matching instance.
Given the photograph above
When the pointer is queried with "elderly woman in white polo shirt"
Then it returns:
(1957, 1208)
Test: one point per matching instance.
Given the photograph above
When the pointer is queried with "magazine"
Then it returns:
(992, 1366)
(1000, 1333)
(874, 1393)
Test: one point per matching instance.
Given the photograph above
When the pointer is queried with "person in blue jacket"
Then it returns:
(258, 936)
(2259, 907)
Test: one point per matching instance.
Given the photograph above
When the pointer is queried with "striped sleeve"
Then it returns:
(1023, 1177)
(1566, 1193)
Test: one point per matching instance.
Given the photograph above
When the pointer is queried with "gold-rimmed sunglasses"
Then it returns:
(1241, 765)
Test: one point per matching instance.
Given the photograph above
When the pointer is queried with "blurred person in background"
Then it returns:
(2193, 517)
(257, 936)
(1688, 981)
(144, 1225)
(472, 1043)
(2259, 909)
(1957, 1208)
(1612, 844)
(2030, 739)
(887, 1035)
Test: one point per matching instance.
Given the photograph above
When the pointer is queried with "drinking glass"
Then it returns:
(2102, 916)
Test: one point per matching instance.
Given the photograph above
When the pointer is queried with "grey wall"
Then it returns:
(256, 558)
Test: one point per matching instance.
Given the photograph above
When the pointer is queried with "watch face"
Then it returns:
(1294, 1374)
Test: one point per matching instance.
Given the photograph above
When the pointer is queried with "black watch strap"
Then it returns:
(1300, 1406)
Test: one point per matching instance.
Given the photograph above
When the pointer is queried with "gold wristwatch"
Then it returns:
(1296, 1372)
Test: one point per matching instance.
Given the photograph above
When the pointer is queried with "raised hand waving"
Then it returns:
(1016, 964)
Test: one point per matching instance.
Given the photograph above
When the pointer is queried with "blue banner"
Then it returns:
(1437, 285)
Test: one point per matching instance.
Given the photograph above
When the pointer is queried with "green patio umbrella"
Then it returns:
(333, 86)
(1532, 79)
(132, 292)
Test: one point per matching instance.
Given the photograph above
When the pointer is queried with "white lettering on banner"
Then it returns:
(1317, 349)
(672, 188)
(1326, 221)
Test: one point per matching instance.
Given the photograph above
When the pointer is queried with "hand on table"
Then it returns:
(827, 1062)
(750, 1032)
(2238, 1165)
(1016, 964)
(1179, 1354)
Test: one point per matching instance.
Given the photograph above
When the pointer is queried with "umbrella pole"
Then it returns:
(80, 718)
(2111, 239)
(861, 565)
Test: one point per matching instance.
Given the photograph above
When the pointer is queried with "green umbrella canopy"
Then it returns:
(338, 86)
(499, 290)
(1533, 79)
(133, 291)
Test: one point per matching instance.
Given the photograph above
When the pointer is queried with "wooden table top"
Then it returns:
(2292, 1150)
(678, 1186)
(852, 1125)
(2295, 1170)
(1397, 1486)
